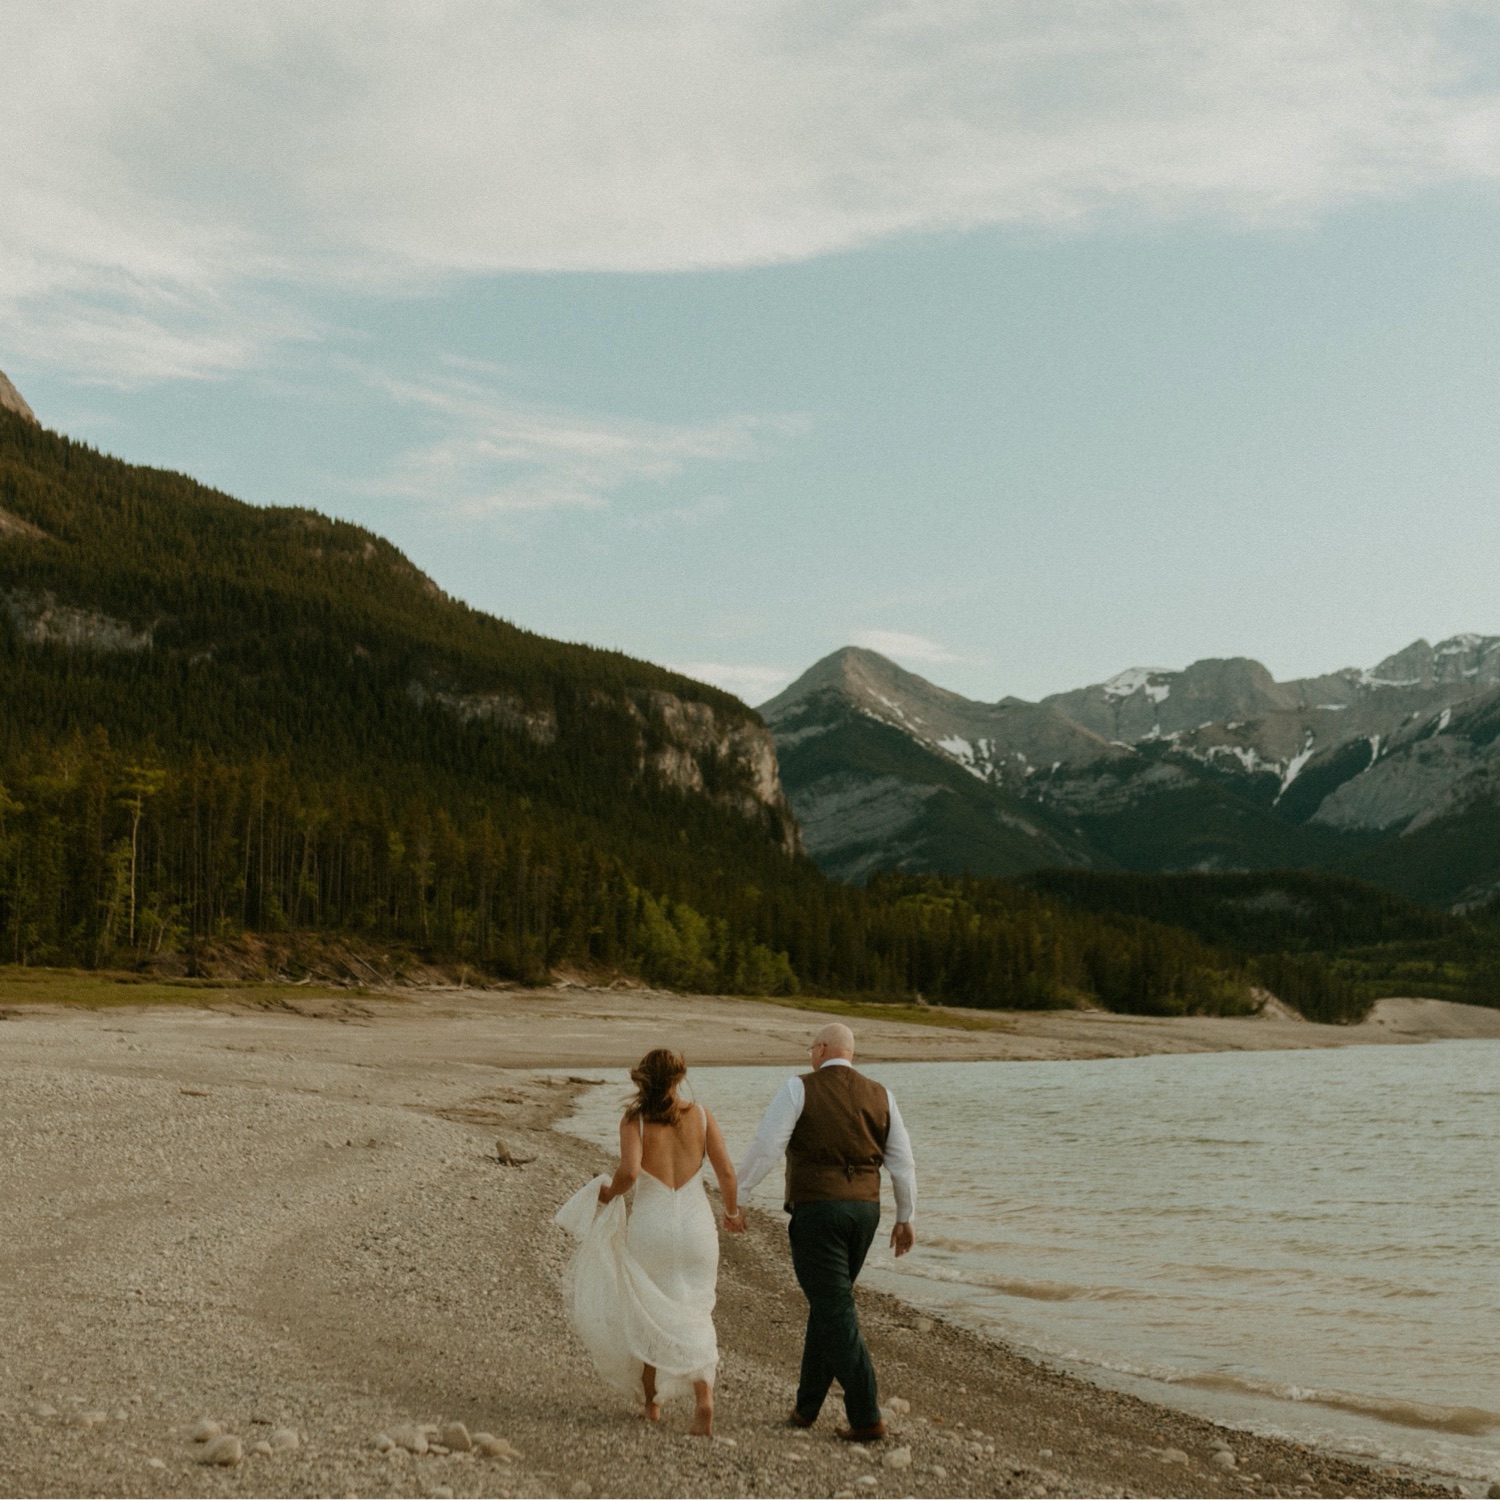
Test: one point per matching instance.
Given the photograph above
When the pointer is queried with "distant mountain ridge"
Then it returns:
(1392, 773)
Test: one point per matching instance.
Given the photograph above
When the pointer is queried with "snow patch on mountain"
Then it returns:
(1295, 764)
(1136, 679)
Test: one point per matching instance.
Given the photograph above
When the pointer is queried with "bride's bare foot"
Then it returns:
(651, 1409)
(702, 1424)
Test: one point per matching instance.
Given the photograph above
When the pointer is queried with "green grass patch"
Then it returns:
(92, 989)
(914, 1015)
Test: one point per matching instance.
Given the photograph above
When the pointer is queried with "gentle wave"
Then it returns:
(1466, 1421)
(1020, 1286)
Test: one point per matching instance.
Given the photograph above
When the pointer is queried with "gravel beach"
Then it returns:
(262, 1251)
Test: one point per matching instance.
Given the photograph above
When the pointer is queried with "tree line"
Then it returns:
(112, 857)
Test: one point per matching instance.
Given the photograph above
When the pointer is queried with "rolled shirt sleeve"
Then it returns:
(901, 1164)
(776, 1127)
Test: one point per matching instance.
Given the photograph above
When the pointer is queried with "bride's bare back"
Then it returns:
(673, 1154)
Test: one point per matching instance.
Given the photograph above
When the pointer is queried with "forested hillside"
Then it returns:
(218, 719)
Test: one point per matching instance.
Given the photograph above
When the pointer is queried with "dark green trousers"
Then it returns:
(829, 1244)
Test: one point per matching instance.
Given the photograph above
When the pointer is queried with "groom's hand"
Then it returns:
(903, 1237)
(735, 1222)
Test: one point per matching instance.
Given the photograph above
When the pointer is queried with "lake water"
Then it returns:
(1305, 1243)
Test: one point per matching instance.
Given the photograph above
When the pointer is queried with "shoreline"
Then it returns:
(570, 1025)
(294, 1218)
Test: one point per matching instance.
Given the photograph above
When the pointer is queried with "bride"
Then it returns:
(641, 1288)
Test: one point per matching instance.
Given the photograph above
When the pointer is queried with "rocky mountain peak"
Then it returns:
(12, 400)
(1463, 660)
(866, 678)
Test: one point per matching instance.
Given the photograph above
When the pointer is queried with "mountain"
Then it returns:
(218, 716)
(892, 772)
(254, 737)
(260, 739)
(1391, 773)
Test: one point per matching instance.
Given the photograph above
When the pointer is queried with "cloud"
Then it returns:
(900, 646)
(753, 684)
(493, 453)
(163, 157)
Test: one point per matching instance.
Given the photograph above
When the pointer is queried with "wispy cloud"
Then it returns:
(754, 684)
(493, 453)
(163, 157)
(900, 646)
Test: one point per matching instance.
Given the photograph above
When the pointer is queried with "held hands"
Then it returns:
(735, 1222)
(903, 1237)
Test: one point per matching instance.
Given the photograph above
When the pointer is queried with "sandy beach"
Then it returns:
(286, 1214)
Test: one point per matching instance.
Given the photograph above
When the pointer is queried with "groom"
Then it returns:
(837, 1129)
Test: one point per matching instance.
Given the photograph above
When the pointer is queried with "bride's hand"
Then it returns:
(604, 1193)
(735, 1222)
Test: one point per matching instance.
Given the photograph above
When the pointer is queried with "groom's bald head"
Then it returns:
(836, 1040)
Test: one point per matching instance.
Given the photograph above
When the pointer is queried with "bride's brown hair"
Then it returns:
(654, 1077)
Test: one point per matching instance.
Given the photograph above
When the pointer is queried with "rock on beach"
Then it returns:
(225, 1450)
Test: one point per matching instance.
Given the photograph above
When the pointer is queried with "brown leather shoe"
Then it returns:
(870, 1434)
(798, 1420)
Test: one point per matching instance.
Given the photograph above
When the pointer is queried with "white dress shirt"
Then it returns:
(780, 1119)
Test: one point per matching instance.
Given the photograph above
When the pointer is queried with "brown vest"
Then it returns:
(838, 1145)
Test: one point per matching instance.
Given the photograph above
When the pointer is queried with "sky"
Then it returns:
(1022, 341)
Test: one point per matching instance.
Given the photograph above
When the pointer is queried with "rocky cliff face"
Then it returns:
(12, 400)
(1215, 766)
(733, 764)
(40, 620)
(728, 759)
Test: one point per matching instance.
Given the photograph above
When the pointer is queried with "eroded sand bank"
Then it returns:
(295, 1219)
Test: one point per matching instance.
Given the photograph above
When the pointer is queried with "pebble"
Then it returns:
(410, 1438)
(923, 1325)
(867, 1481)
(899, 1405)
(44, 1409)
(495, 1447)
(384, 1442)
(156, 1463)
(1172, 1456)
(898, 1458)
(1224, 1458)
(119, 1414)
(204, 1429)
(938, 1471)
(226, 1449)
(284, 1440)
(262, 1449)
(455, 1437)
(1044, 1453)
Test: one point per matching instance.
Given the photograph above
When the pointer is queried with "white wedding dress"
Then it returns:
(641, 1287)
